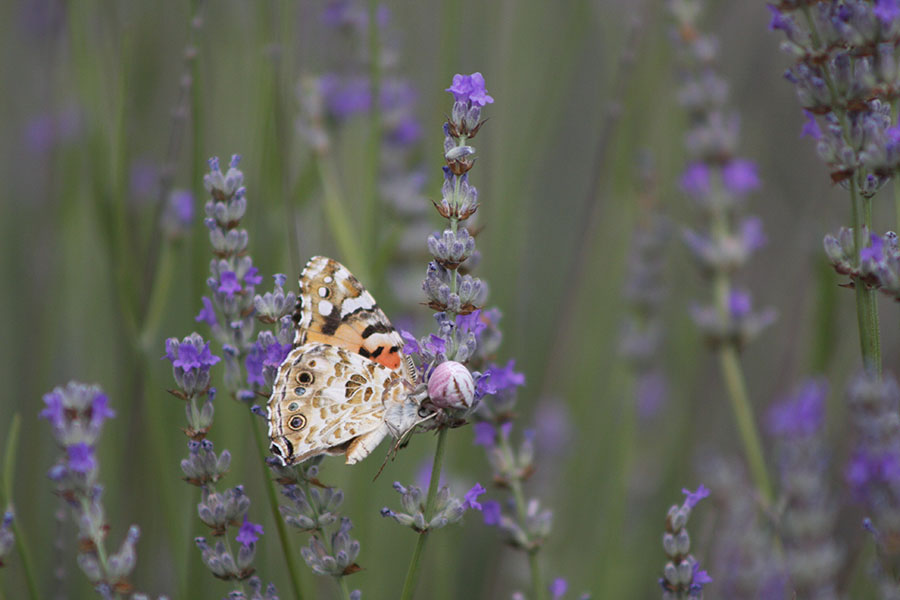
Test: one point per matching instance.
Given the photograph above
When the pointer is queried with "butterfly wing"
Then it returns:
(334, 308)
(327, 400)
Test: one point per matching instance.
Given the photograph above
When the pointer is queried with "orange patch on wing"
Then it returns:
(391, 360)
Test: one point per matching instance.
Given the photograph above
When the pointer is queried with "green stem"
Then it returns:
(159, 294)
(537, 585)
(370, 208)
(733, 374)
(345, 590)
(743, 414)
(866, 307)
(25, 556)
(515, 485)
(412, 573)
(272, 498)
(6, 495)
(336, 215)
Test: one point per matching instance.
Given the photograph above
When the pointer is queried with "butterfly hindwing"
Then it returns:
(334, 308)
(327, 400)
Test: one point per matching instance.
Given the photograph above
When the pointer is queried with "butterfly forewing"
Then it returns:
(334, 308)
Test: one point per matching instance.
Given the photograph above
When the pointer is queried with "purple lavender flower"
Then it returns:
(470, 500)
(813, 556)
(801, 415)
(249, 533)
(739, 176)
(491, 511)
(81, 458)
(470, 89)
(485, 434)
(558, 588)
(695, 180)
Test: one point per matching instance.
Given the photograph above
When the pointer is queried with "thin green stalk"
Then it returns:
(27, 565)
(272, 497)
(743, 414)
(371, 210)
(866, 307)
(9, 469)
(515, 486)
(338, 221)
(733, 375)
(412, 573)
(345, 591)
(159, 295)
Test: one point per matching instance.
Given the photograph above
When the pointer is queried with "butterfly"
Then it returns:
(346, 384)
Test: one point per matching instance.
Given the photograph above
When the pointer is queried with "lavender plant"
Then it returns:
(845, 74)
(231, 311)
(807, 522)
(871, 471)
(313, 508)
(744, 552)
(449, 385)
(718, 179)
(682, 575)
(191, 362)
(76, 414)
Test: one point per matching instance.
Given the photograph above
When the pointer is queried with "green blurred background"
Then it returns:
(89, 90)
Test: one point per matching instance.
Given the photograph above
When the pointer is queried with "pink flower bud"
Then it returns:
(451, 386)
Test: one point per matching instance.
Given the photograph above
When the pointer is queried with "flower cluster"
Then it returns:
(744, 551)
(878, 266)
(846, 75)
(872, 472)
(718, 180)
(229, 309)
(682, 575)
(808, 519)
(447, 508)
(77, 413)
(313, 509)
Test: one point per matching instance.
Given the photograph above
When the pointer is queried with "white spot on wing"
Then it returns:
(323, 292)
(325, 308)
(328, 279)
(364, 300)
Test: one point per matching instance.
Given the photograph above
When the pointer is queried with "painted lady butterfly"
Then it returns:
(346, 384)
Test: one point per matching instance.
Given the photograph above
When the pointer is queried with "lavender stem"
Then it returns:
(9, 466)
(743, 415)
(866, 307)
(371, 212)
(272, 497)
(412, 573)
(336, 214)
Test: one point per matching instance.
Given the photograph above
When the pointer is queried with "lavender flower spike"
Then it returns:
(77, 413)
(718, 179)
(682, 575)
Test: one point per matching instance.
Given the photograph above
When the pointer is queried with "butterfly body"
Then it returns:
(346, 384)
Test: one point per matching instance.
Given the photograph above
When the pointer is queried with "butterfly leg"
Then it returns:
(361, 446)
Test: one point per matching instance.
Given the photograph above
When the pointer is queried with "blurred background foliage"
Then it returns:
(89, 92)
